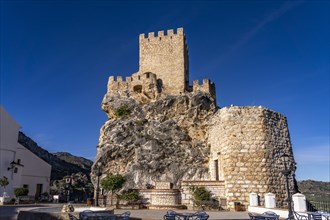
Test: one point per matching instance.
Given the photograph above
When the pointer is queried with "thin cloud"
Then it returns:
(273, 16)
(246, 37)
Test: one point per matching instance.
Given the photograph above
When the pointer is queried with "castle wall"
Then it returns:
(208, 87)
(166, 55)
(246, 148)
(144, 81)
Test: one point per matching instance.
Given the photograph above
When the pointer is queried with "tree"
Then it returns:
(3, 183)
(113, 183)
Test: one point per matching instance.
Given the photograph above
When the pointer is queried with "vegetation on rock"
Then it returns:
(122, 111)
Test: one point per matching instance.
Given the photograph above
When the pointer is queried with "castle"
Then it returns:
(245, 144)
(163, 69)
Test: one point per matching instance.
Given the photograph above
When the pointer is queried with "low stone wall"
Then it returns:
(161, 198)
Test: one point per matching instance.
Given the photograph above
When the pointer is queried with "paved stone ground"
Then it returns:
(147, 214)
(10, 212)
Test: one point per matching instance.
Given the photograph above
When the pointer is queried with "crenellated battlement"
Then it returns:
(144, 83)
(160, 34)
(207, 86)
(147, 77)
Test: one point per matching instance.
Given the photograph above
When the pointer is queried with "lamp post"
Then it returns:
(286, 172)
(98, 174)
(68, 181)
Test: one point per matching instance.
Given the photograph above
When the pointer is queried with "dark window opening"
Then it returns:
(216, 164)
(137, 88)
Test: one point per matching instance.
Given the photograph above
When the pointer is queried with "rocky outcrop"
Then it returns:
(162, 140)
(160, 128)
(62, 163)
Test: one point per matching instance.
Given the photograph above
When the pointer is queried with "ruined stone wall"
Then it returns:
(167, 57)
(247, 144)
(208, 87)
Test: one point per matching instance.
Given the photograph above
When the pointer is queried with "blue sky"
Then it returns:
(56, 57)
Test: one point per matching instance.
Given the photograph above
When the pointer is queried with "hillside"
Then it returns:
(315, 190)
(62, 163)
(79, 161)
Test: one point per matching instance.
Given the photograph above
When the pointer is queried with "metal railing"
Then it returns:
(318, 206)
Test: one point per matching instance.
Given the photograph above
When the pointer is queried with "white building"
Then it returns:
(22, 167)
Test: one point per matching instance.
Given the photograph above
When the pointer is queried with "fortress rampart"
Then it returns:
(138, 83)
(247, 144)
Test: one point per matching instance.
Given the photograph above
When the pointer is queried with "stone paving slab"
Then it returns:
(147, 214)
(10, 212)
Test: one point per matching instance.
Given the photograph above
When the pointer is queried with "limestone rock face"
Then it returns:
(162, 140)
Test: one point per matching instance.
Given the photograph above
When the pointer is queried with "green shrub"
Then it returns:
(21, 192)
(122, 111)
(131, 196)
(200, 194)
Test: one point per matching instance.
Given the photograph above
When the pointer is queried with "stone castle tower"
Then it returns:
(167, 56)
(163, 69)
(244, 144)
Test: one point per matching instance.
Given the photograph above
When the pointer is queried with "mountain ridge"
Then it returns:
(62, 163)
